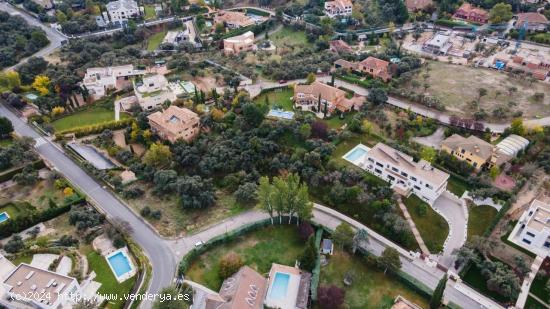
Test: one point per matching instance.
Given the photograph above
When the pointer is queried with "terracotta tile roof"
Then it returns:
(414, 5)
(340, 46)
(346, 64)
(174, 119)
(531, 17)
(232, 17)
(245, 289)
(380, 67)
(471, 144)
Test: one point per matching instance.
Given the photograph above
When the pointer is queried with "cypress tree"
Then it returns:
(435, 301)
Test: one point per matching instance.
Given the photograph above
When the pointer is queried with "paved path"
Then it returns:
(451, 209)
(414, 230)
(54, 36)
(433, 140)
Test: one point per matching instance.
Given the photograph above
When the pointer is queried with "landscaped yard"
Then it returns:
(109, 284)
(150, 12)
(86, 117)
(277, 98)
(258, 249)
(38, 195)
(370, 287)
(479, 219)
(154, 41)
(538, 288)
(458, 85)
(432, 227)
(287, 39)
(457, 186)
(475, 279)
(177, 221)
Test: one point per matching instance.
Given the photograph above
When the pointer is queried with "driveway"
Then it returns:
(433, 140)
(450, 208)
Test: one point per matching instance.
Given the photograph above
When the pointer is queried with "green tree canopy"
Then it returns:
(500, 13)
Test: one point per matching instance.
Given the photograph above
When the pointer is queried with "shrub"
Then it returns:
(330, 297)
(14, 245)
(230, 264)
(305, 230)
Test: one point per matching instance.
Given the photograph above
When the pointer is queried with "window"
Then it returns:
(475, 164)
(378, 171)
(547, 244)
(413, 178)
(379, 164)
(416, 187)
(404, 174)
(526, 241)
(462, 151)
(429, 186)
(395, 169)
(391, 178)
(530, 234)
(370, 159)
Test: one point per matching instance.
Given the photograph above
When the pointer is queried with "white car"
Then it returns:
(199, 243)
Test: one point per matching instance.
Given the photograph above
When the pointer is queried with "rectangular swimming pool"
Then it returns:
(355, 154)
(120, 264)
(279, 286)
(279, 113)
(4, 217)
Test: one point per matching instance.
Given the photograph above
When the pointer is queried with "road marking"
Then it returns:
(39, 142)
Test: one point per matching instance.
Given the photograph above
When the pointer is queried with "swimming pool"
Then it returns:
(355, 154)
(279, 286)
(279, 113)
(120, 264)
(4, 217)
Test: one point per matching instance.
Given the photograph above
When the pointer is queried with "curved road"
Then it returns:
(163, 263)
(55, 37)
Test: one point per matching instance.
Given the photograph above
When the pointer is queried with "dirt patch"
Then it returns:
(205, 83)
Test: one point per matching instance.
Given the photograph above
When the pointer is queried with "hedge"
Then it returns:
(8, 174)
(22, 223)
(450, 23)
(316, 273)
(96, 129)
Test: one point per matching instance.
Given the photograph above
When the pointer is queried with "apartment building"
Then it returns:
(175, 123)
(122, 10)
(152, 91)
(40, 288)
(315, 96)
(338, 8)
(404, 174)
(532, 232)
(239, 43)
(101, 79)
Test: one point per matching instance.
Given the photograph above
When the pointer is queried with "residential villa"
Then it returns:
(338, 8)
(439, 44)
(532, 232)
(99, 80)
(315, 96)
(372, 66)
(152, 91)
(234, 19)
(189, 35)
(475, 151)
(239, 43)
(175, 123)
(418, 5)
(532, 21)
(340, 47)
(402, 303)
(285, 288)
(122, 10)
(536, 65)
(39, 288)
(471, 13)
(405, 175)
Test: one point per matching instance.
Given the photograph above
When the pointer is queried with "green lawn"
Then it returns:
(475, 279)
(15, 209)
(26, 258)
(150, 12)
(432, 227)
(335, 122)
(109, 284)
(532, 303)
(90, 116)
(457, 186)
(258, 249)
(288, 38)
(277, 98)
(370, 287)
(155, 40)
(479, 219)
(538, 288)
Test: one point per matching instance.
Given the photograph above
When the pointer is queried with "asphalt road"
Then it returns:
(55, 37)
(163, 262)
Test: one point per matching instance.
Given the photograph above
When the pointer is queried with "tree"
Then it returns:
(494, 172)
(377, 96)
(14, 245)
(305, 230)
(516, 127)
(27, 177)
(500, 13)
(435, 301)
(266, 197)
(389, 260)
(10, 80)
(41, 84)
(343, 235)
(481, 92)
(246, 193)
(86, 303)
(367, 126)
(310, 78)
(429, 154)
(305, 131)
(285, 196)
(330, 297)
(158, 155)
(195, 192)
(172, 298)
(6, 127)
(360, 237)
(253, 114)
(230, 264)
(309, 256)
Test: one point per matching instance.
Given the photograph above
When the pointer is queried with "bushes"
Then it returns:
(230, 264)
(7, 175)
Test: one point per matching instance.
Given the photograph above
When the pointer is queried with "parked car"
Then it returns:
(282, 81)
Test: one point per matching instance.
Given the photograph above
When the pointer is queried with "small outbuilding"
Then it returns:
(327, 247)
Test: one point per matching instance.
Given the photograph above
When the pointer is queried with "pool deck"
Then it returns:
(289, 301)
(356, 161)
(2, 218)
(127, 275)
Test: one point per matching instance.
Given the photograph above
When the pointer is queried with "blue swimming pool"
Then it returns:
(280, 114)
(120, 264)
(279, 286)
(4, 217)
(355, 154)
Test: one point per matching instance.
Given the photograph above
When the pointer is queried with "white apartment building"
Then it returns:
(122, 10)
(99, 80)
(338, 8)
(401, 171)
(532, 232)
(40, 288)
(153, 91)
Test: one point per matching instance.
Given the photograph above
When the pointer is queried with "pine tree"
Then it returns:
(309, 256)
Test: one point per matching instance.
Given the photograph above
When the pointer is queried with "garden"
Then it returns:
(280, 98)
(432, 227)
(88, 116)
(479, 218)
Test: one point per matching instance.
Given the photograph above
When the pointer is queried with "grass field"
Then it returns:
(370, 287)
(90, 116)
(287, 39)
(109, 284)
(258, 249)
(432, 227)
(457, 85)
(479, 219)
(278, 98)
(154, 41)
(475, 279)
(150, 12)
(538, 288)
(457, 186)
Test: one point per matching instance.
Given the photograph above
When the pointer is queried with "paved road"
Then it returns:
(450, 208)
(54, 36)
(163, 263)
